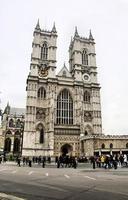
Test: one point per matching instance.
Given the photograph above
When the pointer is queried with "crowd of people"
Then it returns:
(109, 161)
(65, 161)
(61, 161)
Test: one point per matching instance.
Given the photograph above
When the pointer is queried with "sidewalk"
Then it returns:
(4, 196)
(83, 166)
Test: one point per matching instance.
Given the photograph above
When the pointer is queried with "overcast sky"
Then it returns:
(108, 20)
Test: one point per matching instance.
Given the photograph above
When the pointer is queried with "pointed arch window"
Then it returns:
(87, 97)
(103, 146)
(18, 125)
(17, 133)
(8, 132)
(11, 123)
(86, 133)
(44, 51)
(41, 136)
(16, 148)
(84, 57)
(64, 108)
(7, 147)
(41, 93)
(111, 146)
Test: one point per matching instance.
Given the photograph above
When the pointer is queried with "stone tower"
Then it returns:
(82, 65)
(39, 105)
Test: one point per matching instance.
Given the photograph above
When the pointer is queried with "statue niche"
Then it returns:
(87, 116)
(40, 114)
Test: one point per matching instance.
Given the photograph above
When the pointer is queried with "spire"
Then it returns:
(76, 32)
(54, 28)
(90, 35)
(37, 25)
(7, 109)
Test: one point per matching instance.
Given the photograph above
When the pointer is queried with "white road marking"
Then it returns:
(67, 176)
(31, 172)
(47, 174)
(13, 172)
(89, 178)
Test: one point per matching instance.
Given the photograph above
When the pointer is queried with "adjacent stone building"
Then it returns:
(11, 131)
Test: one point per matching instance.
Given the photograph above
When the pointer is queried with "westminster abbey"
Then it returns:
(61, 108)
(63, 111)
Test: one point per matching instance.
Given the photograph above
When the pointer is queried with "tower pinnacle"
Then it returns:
(54, 28)
(76, 32)
(90, 35)
(37, 25)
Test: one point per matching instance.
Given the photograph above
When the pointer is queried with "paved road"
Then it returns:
(50, 183)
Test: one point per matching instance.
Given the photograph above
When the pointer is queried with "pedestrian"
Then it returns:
(43, 163)
(93, 162)
(114, 162)
(74, 163)
(18, 161)
(30, 163)
(58, 163)
(24, 160)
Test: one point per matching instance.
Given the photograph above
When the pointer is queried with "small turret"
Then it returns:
(76, 32)
(7, 109)
(37, 26)
(54, 28)
(90, 36)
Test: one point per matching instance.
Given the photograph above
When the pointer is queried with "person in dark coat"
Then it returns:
(43, 163)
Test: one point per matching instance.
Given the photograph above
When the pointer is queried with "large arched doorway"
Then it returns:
(66, 149)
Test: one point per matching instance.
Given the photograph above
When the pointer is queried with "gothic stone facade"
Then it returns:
(104, 144)
(60, 108)
(11, 131)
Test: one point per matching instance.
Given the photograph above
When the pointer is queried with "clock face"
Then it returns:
(43, 72)
(86, 77)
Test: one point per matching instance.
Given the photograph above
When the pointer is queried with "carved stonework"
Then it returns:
(43, 70)
(87, 116)
(40, 113)
(66, 138)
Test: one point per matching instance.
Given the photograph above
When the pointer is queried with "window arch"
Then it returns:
(86, 133)
(111, 146)
(44, 51)
(84, 57)
(41, 136)
(41, 93)
(127, 145)
(7, 146)
(87, 97)
(64, 108)
(8, 132)
(17, 133)
(16, 147)
(18, 125)
(103, 146)
(11, 123)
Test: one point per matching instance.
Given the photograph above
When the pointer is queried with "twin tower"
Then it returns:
(62, 107)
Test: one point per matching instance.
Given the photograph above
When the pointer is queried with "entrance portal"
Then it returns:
(66, 148)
